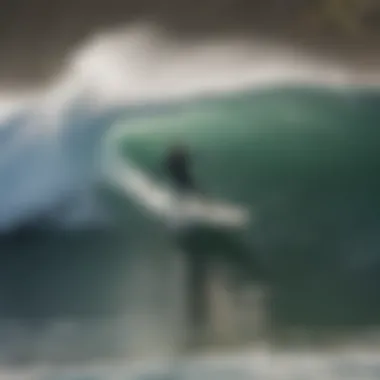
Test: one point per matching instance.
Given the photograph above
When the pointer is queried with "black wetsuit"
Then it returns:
(178, 168)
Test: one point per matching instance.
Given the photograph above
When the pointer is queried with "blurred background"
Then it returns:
(279, 105)
(38, 36)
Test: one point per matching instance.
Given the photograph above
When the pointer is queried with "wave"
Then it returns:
(50, 146)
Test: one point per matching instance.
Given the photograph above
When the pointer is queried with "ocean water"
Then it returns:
(87, 275)
(304, 161)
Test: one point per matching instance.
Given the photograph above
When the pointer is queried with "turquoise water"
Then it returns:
(305, 161)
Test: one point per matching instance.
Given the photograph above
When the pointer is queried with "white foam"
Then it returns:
(250, 365)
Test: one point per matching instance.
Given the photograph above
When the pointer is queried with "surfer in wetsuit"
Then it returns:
(177, 165)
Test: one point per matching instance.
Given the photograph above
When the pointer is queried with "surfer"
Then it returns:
(178, 167)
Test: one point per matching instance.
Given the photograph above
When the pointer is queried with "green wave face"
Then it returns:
(305, 161)
(248, 145)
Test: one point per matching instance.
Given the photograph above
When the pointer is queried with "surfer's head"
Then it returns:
(178, 148)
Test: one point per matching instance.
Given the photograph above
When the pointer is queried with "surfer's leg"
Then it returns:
(197, 298)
